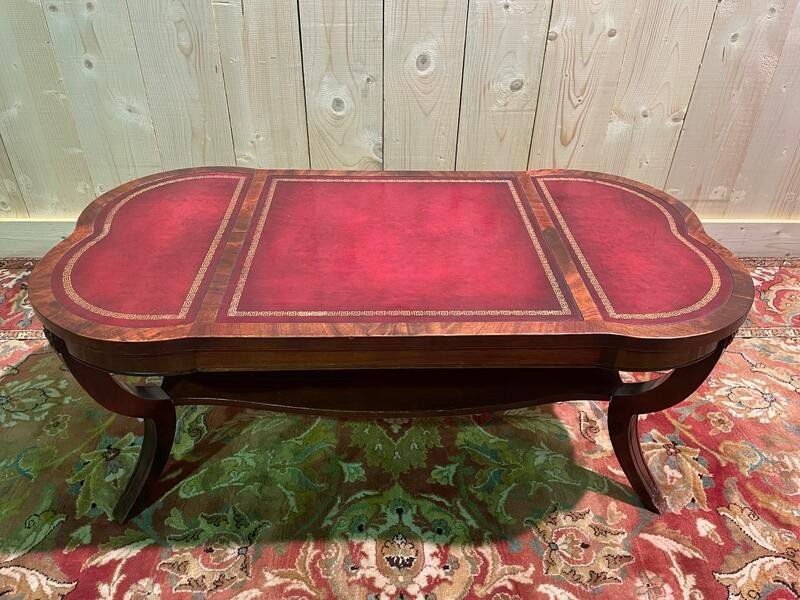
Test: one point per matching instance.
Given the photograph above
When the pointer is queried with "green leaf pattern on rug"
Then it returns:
(80, 537)
(280, 476)
(443, 474)
(499, 471)
(505, 466)
(21, 580)
(214, 555)
(372, 516)
(353, 472)
(539, 421)
(35, 460)
(395, 445)
(24, 400)
(103, 473)
(190, 429)
(32, 531)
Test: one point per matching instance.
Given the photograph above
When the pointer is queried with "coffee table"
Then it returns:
(371, 295)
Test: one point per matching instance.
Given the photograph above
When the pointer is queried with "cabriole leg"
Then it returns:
(150, 403)
(634, 399)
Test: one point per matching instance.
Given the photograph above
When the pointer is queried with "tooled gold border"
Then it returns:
(233, 308)
(66, 277)
(715, 277)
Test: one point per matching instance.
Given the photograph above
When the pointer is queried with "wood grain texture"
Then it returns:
(756, 238)
(262, 63)
(96, 53)
(423, 59)
(663, 51)
(768, 184)
(11, 203)
(36, 122)
(582, 65)
(97, 92)
(502, 67)
(743, 51)
(343, 67)
(32, 237)
(179, 59)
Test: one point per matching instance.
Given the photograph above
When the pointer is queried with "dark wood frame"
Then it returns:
(446, 368)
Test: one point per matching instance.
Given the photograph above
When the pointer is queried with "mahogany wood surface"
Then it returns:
(388, 368)
(205, 344)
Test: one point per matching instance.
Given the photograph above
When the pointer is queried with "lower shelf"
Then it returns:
(369, 393)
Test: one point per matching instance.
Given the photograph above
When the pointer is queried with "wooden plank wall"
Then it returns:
(698, 97)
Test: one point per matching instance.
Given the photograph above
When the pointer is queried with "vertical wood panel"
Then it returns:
(743, 50)
(179, 58)
(768, 184)
(343, 65)
(582, 65)
(261, 59)
(97, 92)
(96, 54)
(12, 205)
(423, 59)
(502, 68)
(662, 55)
(35, 120)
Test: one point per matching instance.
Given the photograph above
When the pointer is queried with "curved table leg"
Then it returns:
(148, 402)
(634, 399)
(157, 409)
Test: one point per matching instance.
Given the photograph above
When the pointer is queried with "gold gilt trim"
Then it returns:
(233, 310)
(66, 277)
(715, 276)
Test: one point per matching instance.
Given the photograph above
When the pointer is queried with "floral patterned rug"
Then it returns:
(517, 505)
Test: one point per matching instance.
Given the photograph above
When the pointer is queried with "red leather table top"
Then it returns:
(237, 252)
(411, 248)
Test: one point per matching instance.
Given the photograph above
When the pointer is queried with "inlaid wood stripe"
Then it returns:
(215, 296)
(584, 300)
(66, 277)
(233, 309)
(716, 280)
